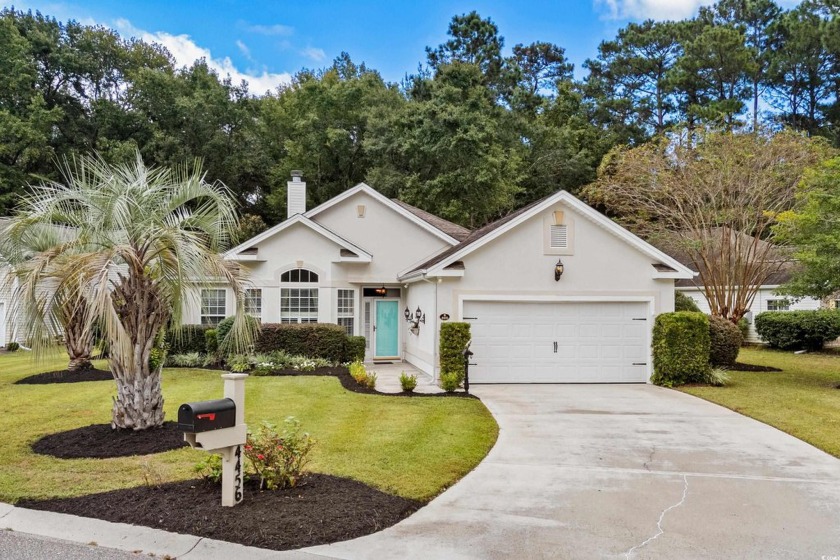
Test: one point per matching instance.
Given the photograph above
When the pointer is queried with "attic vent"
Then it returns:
(559, 236)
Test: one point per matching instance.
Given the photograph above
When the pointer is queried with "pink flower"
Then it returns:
(260, 456)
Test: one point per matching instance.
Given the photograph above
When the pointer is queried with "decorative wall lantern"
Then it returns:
(414, 320)
(558, 270)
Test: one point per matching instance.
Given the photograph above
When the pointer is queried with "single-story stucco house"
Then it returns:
(555, 292)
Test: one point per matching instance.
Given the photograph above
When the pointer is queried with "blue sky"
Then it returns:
(265, 42)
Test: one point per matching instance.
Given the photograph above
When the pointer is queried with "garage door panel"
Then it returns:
(596, 342)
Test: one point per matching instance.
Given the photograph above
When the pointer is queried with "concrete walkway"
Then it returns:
(388, 377)
(624, 471)
(580, 471)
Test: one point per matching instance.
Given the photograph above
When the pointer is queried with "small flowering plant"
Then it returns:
(279, 458)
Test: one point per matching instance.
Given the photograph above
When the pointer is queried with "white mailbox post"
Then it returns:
(226, 441)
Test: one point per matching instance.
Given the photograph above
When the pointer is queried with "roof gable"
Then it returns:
(400, 208)
(491, 231)
(361, 254)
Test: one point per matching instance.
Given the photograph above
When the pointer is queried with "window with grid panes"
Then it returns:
(213, 305)
(346, 309)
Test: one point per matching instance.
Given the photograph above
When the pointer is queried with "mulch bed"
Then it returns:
(64, 376)
(751, 367)
(99, 441)
(322, 509)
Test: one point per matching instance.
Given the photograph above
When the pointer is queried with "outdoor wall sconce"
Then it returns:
(414, 319)
(558, 270)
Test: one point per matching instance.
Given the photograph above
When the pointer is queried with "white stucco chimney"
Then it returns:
(296, 195)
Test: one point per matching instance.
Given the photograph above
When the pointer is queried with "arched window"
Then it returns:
(301, 275)
(299, 305)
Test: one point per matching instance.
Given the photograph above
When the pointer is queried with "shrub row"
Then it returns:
(319, 340)
(798, 330)
(316, 340)
(188, 339)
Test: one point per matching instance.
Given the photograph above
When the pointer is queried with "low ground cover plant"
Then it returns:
(450, 381)
(408, 382)
(361, 375)
(270, 363)
(279, 458)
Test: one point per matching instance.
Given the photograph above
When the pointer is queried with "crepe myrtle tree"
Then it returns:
(711, 199)
(144, 239)
(67, 314)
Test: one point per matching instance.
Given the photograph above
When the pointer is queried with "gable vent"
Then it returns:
(559, 237)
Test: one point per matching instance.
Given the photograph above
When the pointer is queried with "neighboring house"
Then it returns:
(393, 273)
(766, 298)
(9, 331)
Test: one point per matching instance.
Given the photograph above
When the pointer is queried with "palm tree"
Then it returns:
(20, 239)
(145, 239)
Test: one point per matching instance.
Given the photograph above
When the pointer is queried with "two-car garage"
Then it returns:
(559, 342)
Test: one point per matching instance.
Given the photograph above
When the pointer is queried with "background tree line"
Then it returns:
(475, 132)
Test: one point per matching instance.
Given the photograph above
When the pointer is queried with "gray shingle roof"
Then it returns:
(453, 230)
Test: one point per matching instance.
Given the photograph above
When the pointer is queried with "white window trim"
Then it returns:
(218, 316)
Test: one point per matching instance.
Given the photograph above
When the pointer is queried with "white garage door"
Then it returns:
(549, 342)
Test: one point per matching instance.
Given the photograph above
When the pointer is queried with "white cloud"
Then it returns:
(313, 53)
(243, 48)
(185, 52)
(276, 29)
(658, 9)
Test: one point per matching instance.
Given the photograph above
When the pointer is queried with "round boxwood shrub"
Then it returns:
(684, 303)
(725, 341)
(681, 346)
(798, 330)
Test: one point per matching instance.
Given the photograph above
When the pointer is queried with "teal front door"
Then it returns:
(387, 328)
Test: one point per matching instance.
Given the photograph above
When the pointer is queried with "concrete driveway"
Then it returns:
(624, 471)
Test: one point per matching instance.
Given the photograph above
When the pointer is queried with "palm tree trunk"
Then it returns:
(139, 401)
(77, 338)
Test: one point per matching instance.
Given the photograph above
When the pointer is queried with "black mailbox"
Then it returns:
(206, 416)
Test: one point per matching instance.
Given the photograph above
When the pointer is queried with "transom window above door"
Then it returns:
(299, 275)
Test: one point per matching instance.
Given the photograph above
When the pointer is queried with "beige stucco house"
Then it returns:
(393, 273)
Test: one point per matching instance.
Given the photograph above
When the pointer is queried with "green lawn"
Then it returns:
(410, 447)
(802, 400)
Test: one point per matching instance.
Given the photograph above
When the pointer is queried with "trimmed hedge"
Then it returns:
(798, 330)
(681, 348)
(188, 339)
(354, 349)
(315, 340)
(725, 342)
(684, 303)
(453, 339)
